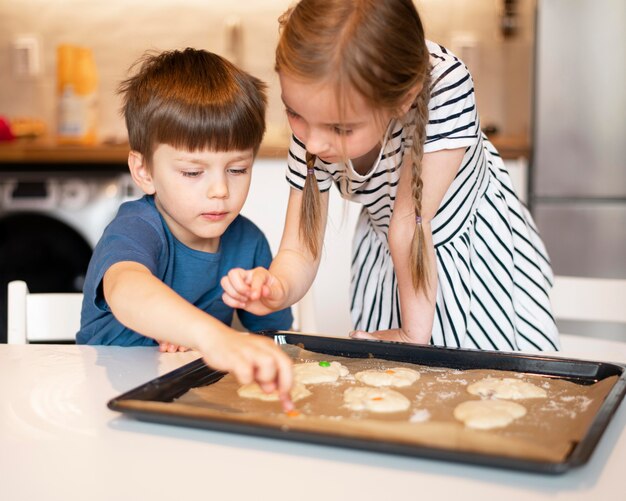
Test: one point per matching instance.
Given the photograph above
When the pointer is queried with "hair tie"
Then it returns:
(310, 171)
(418, 219)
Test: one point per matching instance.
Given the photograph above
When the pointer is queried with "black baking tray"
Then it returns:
(196, 374)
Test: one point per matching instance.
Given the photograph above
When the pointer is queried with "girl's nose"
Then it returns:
(316, 142)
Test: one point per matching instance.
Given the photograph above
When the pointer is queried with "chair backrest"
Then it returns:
(589, 299)
(41, 317)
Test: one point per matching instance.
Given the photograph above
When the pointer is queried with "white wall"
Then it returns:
(266, 206)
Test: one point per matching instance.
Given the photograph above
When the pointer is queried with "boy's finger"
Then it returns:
(266, 372)
(286, 402)
(285, 375)
(243, 372)
(268, 387)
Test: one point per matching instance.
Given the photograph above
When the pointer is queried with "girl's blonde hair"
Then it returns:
(378, 49)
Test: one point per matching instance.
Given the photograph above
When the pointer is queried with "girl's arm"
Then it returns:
(417, 308)
(291, 273)
(294, 266)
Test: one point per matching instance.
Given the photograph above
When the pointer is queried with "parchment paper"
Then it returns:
(548, 432)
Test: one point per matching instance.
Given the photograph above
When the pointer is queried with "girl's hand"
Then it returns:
(397, 335)
(165, 347)
(256, 291)
(251, 358)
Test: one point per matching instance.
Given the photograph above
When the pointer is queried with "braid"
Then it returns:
(310, 208)
(419, 272)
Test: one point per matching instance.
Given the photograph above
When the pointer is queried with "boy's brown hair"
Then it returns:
(192, 99)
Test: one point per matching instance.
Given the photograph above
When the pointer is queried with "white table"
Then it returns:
(58, 441)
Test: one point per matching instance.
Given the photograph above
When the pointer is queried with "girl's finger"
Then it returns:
(260, 278)
(237, 278)
(231, 292)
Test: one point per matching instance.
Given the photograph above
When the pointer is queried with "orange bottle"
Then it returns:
(77, 86)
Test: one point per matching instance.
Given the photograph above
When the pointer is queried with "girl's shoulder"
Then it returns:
(445, 65)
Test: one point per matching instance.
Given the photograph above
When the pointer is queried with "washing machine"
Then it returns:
(49, 225)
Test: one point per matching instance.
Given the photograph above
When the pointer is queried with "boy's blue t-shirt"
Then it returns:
(139, 234)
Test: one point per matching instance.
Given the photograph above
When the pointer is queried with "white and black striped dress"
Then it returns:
(493, 269)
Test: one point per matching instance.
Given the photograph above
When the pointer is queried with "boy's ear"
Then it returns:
(409, 99)
(140, 172)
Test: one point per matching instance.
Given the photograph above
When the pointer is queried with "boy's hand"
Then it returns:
(256, 291)
(251, 358)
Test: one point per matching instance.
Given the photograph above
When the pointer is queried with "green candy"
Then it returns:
(324, 364)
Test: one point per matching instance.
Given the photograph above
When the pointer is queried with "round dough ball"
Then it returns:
(396, 376)
(314, 373)
(488, 414)
(375, 400)
(253, 390)
(506, 388)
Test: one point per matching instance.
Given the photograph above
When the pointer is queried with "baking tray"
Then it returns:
(170, 386)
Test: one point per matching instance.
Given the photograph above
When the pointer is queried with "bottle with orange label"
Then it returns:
(77, 92)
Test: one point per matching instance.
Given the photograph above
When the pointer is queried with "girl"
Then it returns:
(444, 252)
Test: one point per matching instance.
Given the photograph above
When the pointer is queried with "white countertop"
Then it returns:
(58, 441)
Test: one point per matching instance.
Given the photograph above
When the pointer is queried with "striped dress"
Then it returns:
(493, 269)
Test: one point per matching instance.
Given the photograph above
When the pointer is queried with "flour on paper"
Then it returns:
(254, 391)
(488, 414)
(506, 388)
(319, 372)
(396, 376)
(383, 400)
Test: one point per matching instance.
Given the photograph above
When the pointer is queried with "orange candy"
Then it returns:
(390, 371)
(293, 413)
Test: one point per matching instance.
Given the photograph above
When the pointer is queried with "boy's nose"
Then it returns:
(218, 188)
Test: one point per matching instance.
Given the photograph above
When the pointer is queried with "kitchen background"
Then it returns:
(495, 38)
(118, 31)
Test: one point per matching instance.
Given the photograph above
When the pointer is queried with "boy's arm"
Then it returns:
(146, 305)
(291, 273)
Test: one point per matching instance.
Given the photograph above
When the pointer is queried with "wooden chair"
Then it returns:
(589, 299)
(41, 317)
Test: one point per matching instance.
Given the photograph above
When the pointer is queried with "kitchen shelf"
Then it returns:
(37, 155)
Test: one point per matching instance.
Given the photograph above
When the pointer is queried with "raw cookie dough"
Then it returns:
(253, 390)
(319, 372)
(488, 414)
(375, 399)
(396, 376)
(506, 388)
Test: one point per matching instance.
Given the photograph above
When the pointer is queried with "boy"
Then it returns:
(195, 123)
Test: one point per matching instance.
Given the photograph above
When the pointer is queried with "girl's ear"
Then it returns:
(410, 97)
(140, 172)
